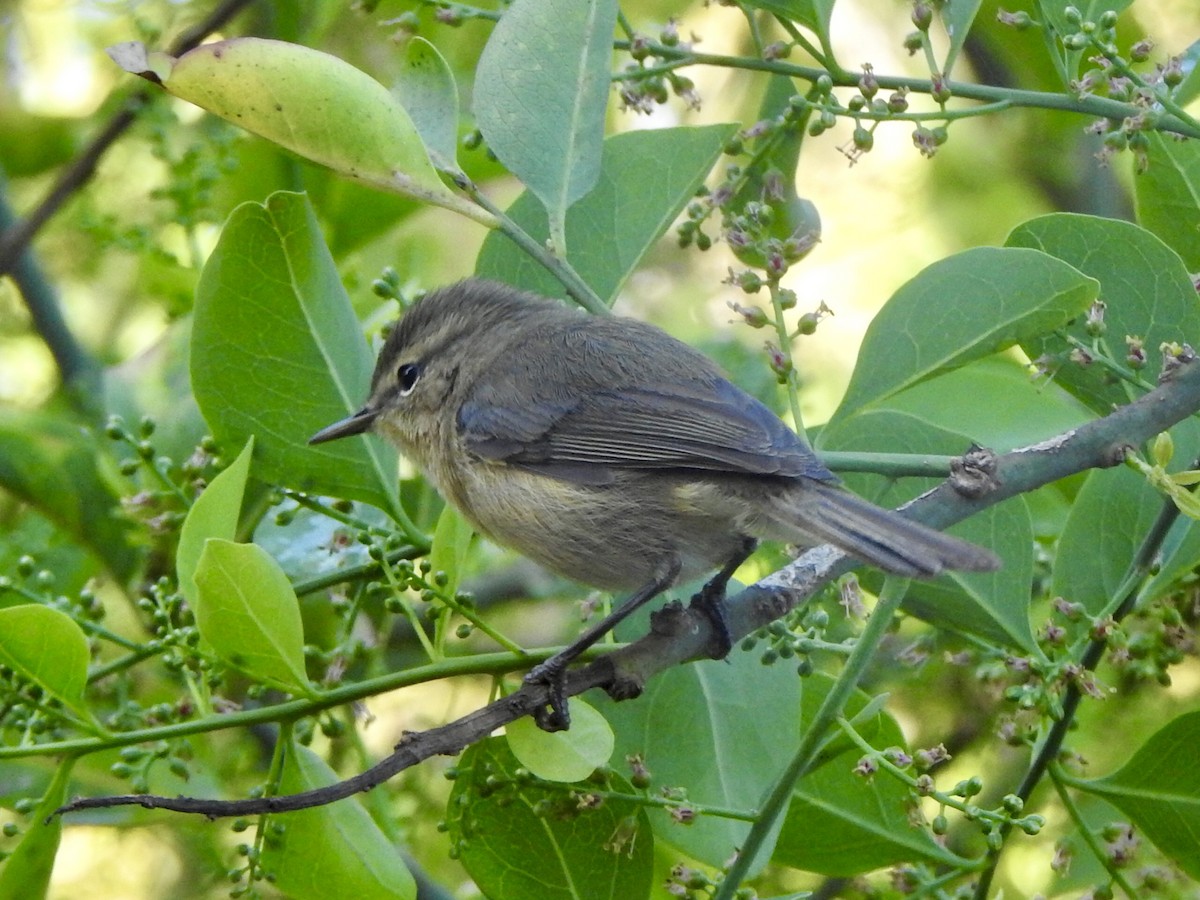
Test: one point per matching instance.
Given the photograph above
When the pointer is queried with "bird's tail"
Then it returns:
(876, 535)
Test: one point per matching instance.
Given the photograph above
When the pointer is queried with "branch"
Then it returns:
(681, 635)
(1097, 107)
(77, 368)
(15, 240)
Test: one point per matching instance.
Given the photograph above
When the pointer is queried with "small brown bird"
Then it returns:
(612, 453)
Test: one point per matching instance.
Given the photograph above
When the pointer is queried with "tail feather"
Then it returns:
(880, 536)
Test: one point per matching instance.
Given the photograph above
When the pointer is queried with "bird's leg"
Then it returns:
(553, 672)
(711, 598)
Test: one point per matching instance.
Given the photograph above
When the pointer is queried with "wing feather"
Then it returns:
(585, 427)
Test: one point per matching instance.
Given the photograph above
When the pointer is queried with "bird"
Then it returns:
(613, 454)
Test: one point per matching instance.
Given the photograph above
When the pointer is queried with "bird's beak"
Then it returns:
(357, 423)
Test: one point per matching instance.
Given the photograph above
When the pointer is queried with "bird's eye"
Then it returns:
(407, 377)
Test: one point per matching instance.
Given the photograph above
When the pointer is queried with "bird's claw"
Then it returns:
(555, 715)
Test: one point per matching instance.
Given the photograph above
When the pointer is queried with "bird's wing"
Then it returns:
(584, 429)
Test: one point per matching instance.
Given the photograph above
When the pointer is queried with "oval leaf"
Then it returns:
(524, 849)
(1159, 789)
(332, 852)
(1092, 563)
(310, 367)
(563, 755)
(636, 188)
(213, 515)
(47, 647)
(1144, 283)
(963, 308)
(56, 467)
(427, 90)
(1168, 193)
(309, 102)
(540, 92)
(247, 611)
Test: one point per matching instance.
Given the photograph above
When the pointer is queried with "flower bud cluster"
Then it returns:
(1110, 74)
(646, 83)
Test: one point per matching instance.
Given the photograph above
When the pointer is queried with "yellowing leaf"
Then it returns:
(309, 102)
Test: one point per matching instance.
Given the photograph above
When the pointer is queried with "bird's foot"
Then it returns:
(555, 715)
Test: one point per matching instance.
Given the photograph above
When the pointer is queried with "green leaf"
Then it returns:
(1159, 789)
(309, 102)
(694, 728)
(213, 515)
(48, 648)
(563, 755)
(518, 840)
(993, 605)
(540, 91)
(812, 14)
(332, 852)
(278, 353)
(450, 546)
(1168, 196)
(427, 90)
(960, 309)
(57, 468)
(25, 874)
(247, 611)
(841, 824)
(646, 179)
(965, 402)
(1189, 88)
(957, 16)
(1144, 283)
(1091, 563)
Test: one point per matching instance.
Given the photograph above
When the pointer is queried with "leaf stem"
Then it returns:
(813, 740)
(579, 289)
(1061, 779)
(891, 464)
(785, 347)
(400, 589)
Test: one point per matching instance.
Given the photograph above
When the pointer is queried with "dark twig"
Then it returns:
(679, 635)
(79, 370)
